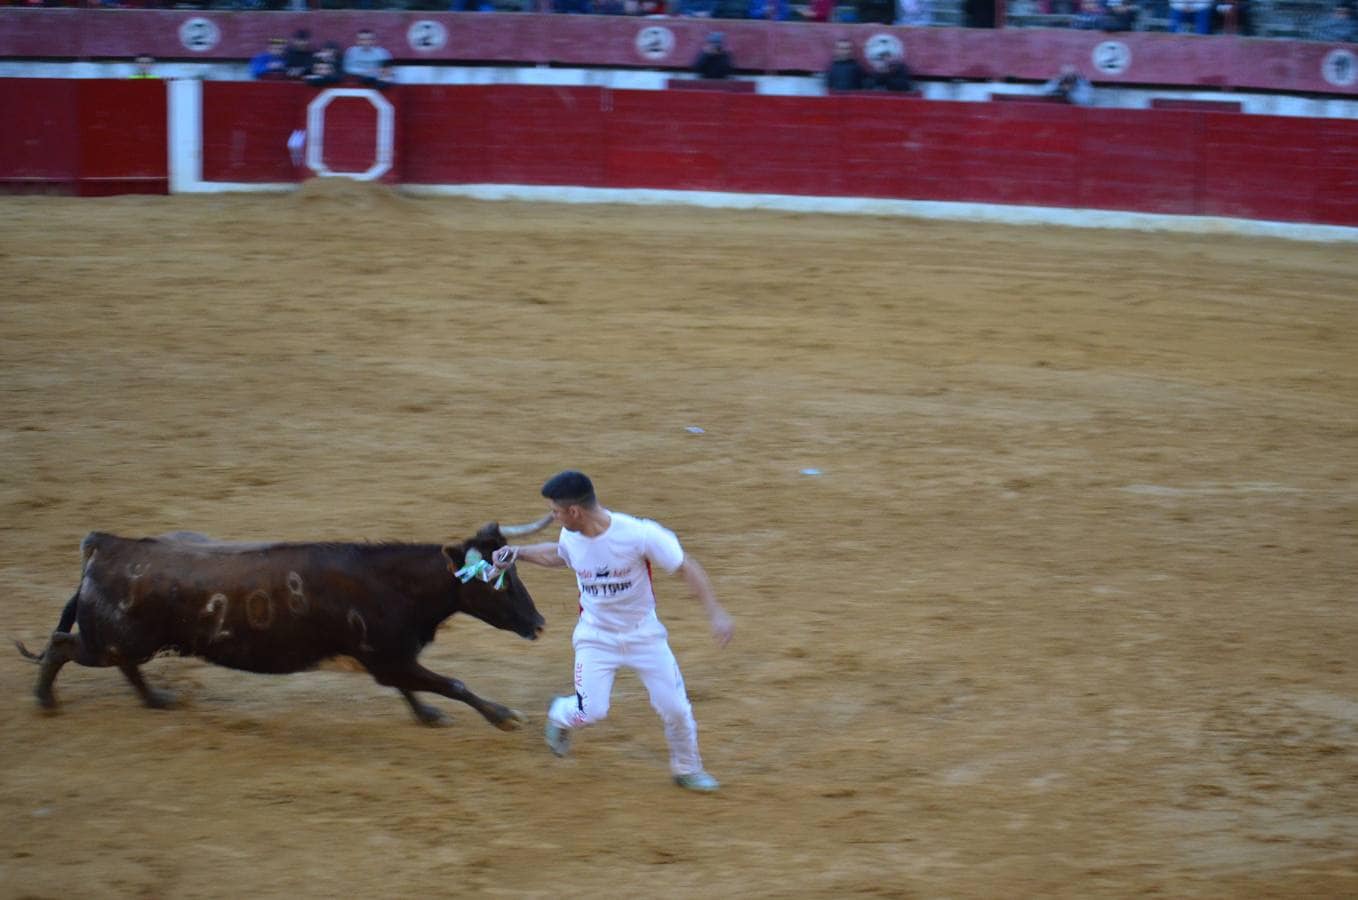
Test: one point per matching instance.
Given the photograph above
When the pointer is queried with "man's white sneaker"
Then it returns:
(697, 781)
(558, 738)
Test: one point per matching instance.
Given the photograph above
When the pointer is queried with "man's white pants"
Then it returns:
(599, 653)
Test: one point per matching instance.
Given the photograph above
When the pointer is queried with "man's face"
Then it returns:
(567, 515)
(366, 38)
(843, 49)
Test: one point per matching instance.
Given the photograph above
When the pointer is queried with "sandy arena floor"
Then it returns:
(1071, 609)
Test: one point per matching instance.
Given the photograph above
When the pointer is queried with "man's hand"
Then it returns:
(723, 629)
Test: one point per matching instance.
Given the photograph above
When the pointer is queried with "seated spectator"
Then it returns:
(914, 13)
(1071, 87)
(887, 72)
(272, 63)
(329, 53)
(713, 61)
(1121, 15)
(773, 10)
(1337, 26)
(696, 9)
(844, 74)
(883, 12)
(143, 67)
(978, 13)
(1090, 16)
(815, 11)
(1233, 17)
(364, 60)
(1199, 12)
(297, 63)
(323, 74)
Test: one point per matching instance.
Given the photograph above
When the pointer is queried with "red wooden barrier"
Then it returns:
(520, 39)
(83, 137)
(102, 136)
(1172, 161)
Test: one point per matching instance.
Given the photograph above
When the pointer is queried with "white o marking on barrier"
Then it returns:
(1111, 57)
(199, 34)
(315, 129)
(1340, 67)
(426, 36)
(655, 42)
(883, 46)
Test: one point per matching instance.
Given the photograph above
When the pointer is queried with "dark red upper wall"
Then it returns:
(1030, 54)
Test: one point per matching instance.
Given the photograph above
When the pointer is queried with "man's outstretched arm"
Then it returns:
(537, 554)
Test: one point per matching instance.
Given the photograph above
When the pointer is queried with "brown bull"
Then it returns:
(285, 608)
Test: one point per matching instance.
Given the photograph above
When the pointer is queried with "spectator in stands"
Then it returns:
(1071, 87)
(364, 60)
(330, 54)
(1198, 12)
(914, 13)
(272, 63)
(696, 9)
(1121, 15)
(1091, 17)
(713, 60)
(297, 63)
(815, 11)
(1337, 26)
(888, 72)
(323, 74)
(882, 12)
(1233, 17)
(844, 74)
(143, 67)
(979, 13)
(773, 10)
(731, 9)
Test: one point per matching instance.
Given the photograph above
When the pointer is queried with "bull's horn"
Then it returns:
(521, 530)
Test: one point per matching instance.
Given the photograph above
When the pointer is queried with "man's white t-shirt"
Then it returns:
(613, 570)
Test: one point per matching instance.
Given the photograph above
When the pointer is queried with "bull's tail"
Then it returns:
(63, 624)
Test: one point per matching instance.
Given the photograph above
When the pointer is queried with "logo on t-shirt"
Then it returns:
(604, 582)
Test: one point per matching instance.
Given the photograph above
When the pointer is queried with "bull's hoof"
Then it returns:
(512, 720)
(47, 701)
(158, 699)
(433, 717)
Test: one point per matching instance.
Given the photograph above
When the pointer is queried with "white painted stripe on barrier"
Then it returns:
(184, 107)
(918, 209)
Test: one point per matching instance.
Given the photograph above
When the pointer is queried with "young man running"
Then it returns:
(612, 555)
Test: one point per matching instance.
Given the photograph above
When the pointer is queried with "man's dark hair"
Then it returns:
(569, 488)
